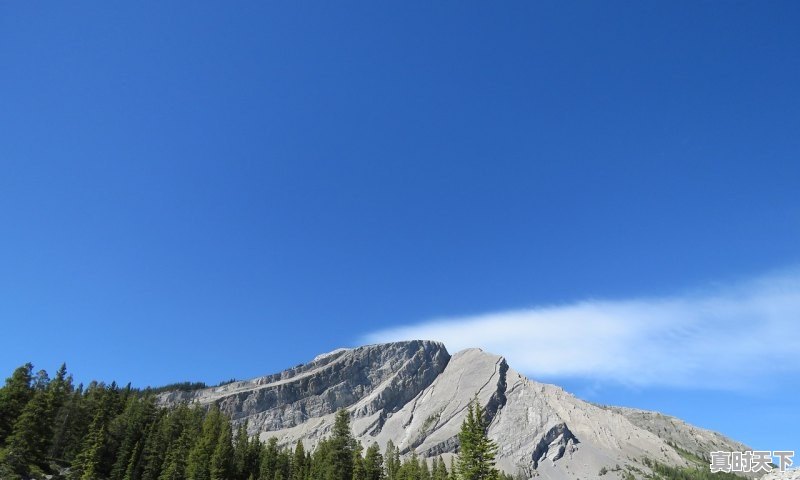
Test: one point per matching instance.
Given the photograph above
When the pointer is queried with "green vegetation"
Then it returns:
(665, 472)
(689, 456)
(476, 456)
(180, 387)
(53, 428)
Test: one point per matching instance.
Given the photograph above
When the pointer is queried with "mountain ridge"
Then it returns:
(415, 394)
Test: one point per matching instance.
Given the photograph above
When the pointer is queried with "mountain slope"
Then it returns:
(415, 394)
(695, 440)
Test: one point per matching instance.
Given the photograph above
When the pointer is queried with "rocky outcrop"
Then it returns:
(554, 444)
(379, 379)
(695, 440)
(416, 395)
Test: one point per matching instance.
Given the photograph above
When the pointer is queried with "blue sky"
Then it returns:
(200, 191)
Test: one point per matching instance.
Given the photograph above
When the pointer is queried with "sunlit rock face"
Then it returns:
(415, 394)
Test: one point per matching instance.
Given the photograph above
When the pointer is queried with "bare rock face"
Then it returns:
(695, 440)
(377, 378)
(414, 394)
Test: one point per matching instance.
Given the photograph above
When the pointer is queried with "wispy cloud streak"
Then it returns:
(737, 336)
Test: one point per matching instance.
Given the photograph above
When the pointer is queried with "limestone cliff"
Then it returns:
(415, 394)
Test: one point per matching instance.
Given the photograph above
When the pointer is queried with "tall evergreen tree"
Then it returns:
(89, 463)
(439, 470)
(177, 458)
(373, 463)
(175, 438)
(128, 431)
(269, 460)
(284, 464)
(358, 463)
(14, 395)
(411, 469)
(476, 456)
(241, 448)
(299, 462)
(27, 445)
(97, 453)
(222, 458)
(341, 448)
(320, 461)
(59, 388)
(154, 448)
(392, 461)
(254, 452)
(60, 394)
(424, 470)
(134, 469)
(65, 425)
(199, 463)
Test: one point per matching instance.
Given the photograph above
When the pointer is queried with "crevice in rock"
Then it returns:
(498, 398)
(553, 444)
(447, 446)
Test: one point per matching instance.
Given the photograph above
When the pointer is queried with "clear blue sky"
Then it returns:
(206, 190)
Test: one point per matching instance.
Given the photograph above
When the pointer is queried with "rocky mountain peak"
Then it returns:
(416, 395)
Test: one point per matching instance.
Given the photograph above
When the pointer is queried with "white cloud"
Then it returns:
(731, 337)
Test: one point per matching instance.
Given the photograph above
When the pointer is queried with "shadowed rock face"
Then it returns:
(554, 443)
(389, 375)
(416, 395)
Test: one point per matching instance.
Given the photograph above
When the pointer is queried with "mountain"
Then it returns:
(416, 394)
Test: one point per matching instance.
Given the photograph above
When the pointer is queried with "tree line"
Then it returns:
(50, 427)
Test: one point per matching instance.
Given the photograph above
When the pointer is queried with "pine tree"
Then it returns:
(341, 448)
(254, 451)
(96, 456)
(358, 463)
(71, 424)
(411, 469)
(439, 470)
(89, 463)
(373, 463)
(199, 463)
(269, 460)
(476, 457)
(299, 462)
(181, 429)
(241, 448)
(59, 388)
(173, 441)
(177, 458)
(14, 395)
(133, 471)
(154, 448)
(320, 465)
(392, 461)
(62, 404)
(128, 431)
(284, 464)
(424, 471)
(222, 459)
(27, 446)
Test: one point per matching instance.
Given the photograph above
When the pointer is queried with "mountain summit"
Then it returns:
(416, 394)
